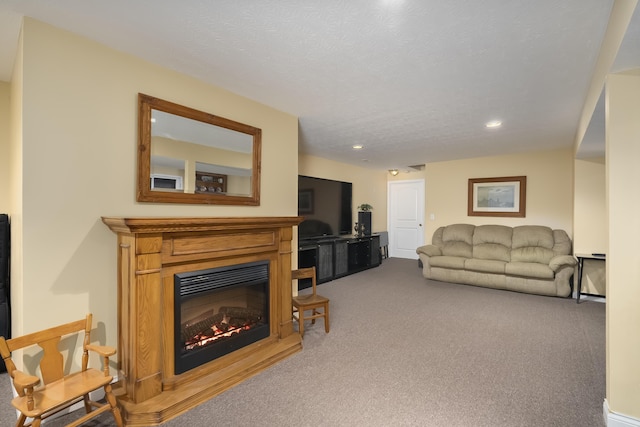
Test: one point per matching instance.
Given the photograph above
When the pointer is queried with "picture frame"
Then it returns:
(501, 196)
(305, 201)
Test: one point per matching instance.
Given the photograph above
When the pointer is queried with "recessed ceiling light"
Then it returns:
(493, 124)
(357, 147)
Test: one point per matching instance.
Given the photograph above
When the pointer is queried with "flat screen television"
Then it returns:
(325, 205)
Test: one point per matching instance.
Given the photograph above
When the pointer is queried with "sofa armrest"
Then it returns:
(561, 261)
(429, 250)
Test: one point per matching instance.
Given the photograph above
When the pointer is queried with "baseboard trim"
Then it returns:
(611, 419)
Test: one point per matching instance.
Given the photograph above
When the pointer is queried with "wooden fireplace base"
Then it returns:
(150, 252)
(171, 403)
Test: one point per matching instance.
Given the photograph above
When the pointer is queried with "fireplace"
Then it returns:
(162, 265)
(218, 311)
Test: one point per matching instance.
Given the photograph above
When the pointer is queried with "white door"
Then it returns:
(406, 217)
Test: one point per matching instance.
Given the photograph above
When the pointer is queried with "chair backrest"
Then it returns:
(306, 273)
(52, 361)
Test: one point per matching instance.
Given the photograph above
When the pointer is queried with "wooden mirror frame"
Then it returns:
(145, 193)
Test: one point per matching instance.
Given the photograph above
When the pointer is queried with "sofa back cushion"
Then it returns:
(457, 240)
(532, 243)
(562, 243)
(492, 242)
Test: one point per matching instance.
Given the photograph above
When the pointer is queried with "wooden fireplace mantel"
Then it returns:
(151, 250)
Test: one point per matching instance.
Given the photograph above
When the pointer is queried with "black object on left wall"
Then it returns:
(5, 312)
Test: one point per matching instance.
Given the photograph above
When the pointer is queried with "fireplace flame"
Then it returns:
(223, 325)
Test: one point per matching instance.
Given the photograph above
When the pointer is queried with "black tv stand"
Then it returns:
(338, 256)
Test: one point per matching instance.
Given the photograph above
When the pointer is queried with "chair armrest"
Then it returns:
(429, 250)
(105, 352)
(560, 261)
(24, 381)
(102, 350)
(24, 385)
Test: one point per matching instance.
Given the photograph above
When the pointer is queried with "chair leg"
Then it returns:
(301, 322)
(326, 318)
(114, 405)
(87, 404)
(316, 312)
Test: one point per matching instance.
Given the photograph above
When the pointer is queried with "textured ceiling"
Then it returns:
(412, 81)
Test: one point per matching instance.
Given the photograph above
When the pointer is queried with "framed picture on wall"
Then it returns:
(305, 201)
(502, 196)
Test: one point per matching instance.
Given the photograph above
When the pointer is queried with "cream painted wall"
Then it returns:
(369, 186)
(5, 135)
(79, 140)
(15, 182)
(590, 221)
(623, 258)
(590, 214)
(549, 189)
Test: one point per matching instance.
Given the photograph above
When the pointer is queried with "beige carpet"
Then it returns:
(404, 351)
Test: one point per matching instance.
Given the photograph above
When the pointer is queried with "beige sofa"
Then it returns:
(530, 258)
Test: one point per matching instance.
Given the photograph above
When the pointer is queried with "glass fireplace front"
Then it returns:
(218, 311)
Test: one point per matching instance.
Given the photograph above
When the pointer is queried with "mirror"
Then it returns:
(189, 156)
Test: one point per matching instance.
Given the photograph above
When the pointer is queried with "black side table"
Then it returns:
(581, 258)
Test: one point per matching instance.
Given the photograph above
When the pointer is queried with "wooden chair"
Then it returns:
(312, 301)
(59, 391)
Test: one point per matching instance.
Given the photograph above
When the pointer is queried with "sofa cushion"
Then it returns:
(529, 269)
(437, 237)
(457, 249)
(532, 243)
(448, 262)
(562, 245)
(457, 240)
(485, 265)
(492, 242)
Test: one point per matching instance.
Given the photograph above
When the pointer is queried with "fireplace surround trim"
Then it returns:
(149, 393)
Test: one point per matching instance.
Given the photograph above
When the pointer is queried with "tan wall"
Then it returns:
(549, 189)
(369, 186)
(590, 221)
(15, 181)
(623, 258)
(79, 140)
(5, 135)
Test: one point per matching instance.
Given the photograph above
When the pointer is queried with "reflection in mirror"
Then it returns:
(188, 156)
